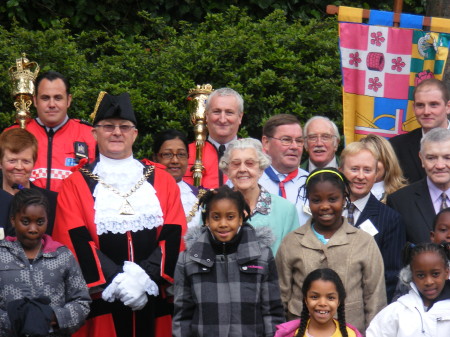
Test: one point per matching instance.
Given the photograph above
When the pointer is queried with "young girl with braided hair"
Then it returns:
(323, 296)
(425, 310)
(327, 240)
(42, 289)
(226, 282)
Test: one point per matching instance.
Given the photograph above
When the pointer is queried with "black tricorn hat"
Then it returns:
(114, 107)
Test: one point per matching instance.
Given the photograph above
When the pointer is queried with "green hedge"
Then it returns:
(278, 67)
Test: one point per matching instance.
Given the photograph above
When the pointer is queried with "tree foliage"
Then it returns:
(278, 67)
(123, 15)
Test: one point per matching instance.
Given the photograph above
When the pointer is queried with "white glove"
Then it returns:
(110, 294)
(134, 286)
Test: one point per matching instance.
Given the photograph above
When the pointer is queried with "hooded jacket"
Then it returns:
(408, 318)
(227, 295)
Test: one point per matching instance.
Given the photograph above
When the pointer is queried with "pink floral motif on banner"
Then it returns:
(374, 84)
(377, 38)
(355, 59)
(422, 76)
(398, 64)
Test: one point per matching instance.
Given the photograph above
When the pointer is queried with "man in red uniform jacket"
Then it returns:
(224, 111)
(62, 141)
(124, 222)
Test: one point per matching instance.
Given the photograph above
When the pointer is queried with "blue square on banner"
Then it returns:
(385, 112)
(411, 21)
(381, 18)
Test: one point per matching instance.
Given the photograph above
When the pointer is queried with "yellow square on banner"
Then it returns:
(412, 77)
(350, 14)
(410, 120)
(439, 25)
(442, 53)
(358, 110)
(428, 65)
(415, 52)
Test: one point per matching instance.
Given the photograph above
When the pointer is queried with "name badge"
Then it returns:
(70, 162)
(368, 227)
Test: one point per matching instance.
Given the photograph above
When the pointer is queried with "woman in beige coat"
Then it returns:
(328, 241)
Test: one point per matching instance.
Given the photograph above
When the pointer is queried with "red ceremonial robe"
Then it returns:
(211, 172)
(101, 257)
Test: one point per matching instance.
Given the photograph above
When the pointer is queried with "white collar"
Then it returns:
(123, 175)
(332, 163)
(360, 204)
(59, 126)
(217, 144)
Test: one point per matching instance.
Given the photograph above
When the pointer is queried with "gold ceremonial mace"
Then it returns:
(197, 108)
(22, 77)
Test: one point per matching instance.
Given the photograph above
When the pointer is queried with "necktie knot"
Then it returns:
(221, 150)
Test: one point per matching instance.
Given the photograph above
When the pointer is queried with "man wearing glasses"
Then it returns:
(63, 141)
(283, 141)
(321, 143)
(124, 222)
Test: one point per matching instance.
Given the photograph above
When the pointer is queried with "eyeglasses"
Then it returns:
(287, 141)
(124, 128)
(170, 155)
(325, 137)
(250, 163)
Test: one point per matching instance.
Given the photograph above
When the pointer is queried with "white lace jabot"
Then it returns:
(123, 175)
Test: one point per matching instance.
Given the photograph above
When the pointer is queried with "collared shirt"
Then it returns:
(294, 191)
(55, 127)
(360, 204)
(378, 190)
(435, 194)
(448, 128)
(217, 144)
(332, 163)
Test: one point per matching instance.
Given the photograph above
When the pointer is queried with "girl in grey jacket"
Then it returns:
(42, 290)
(226, 283)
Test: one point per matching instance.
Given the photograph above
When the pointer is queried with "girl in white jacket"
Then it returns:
(425, 310)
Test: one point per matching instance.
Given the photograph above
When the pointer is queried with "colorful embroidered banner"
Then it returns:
(380, 68)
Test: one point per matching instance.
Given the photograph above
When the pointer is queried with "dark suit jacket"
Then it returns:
(51, 197)
(414, 203)
(5, 202)
(407, 147)
(391, 238)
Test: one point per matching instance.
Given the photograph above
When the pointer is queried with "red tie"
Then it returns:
(289, 177)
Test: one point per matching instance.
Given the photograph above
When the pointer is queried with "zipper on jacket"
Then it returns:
(421, 319)
(224, 252)
(50, 135)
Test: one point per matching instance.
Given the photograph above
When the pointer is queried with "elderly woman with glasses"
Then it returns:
(171, 150)
(244, 163)
(18, 154)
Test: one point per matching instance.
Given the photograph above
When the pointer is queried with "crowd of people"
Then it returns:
(95, 242)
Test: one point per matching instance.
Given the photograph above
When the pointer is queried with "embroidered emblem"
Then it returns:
(80, 149)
